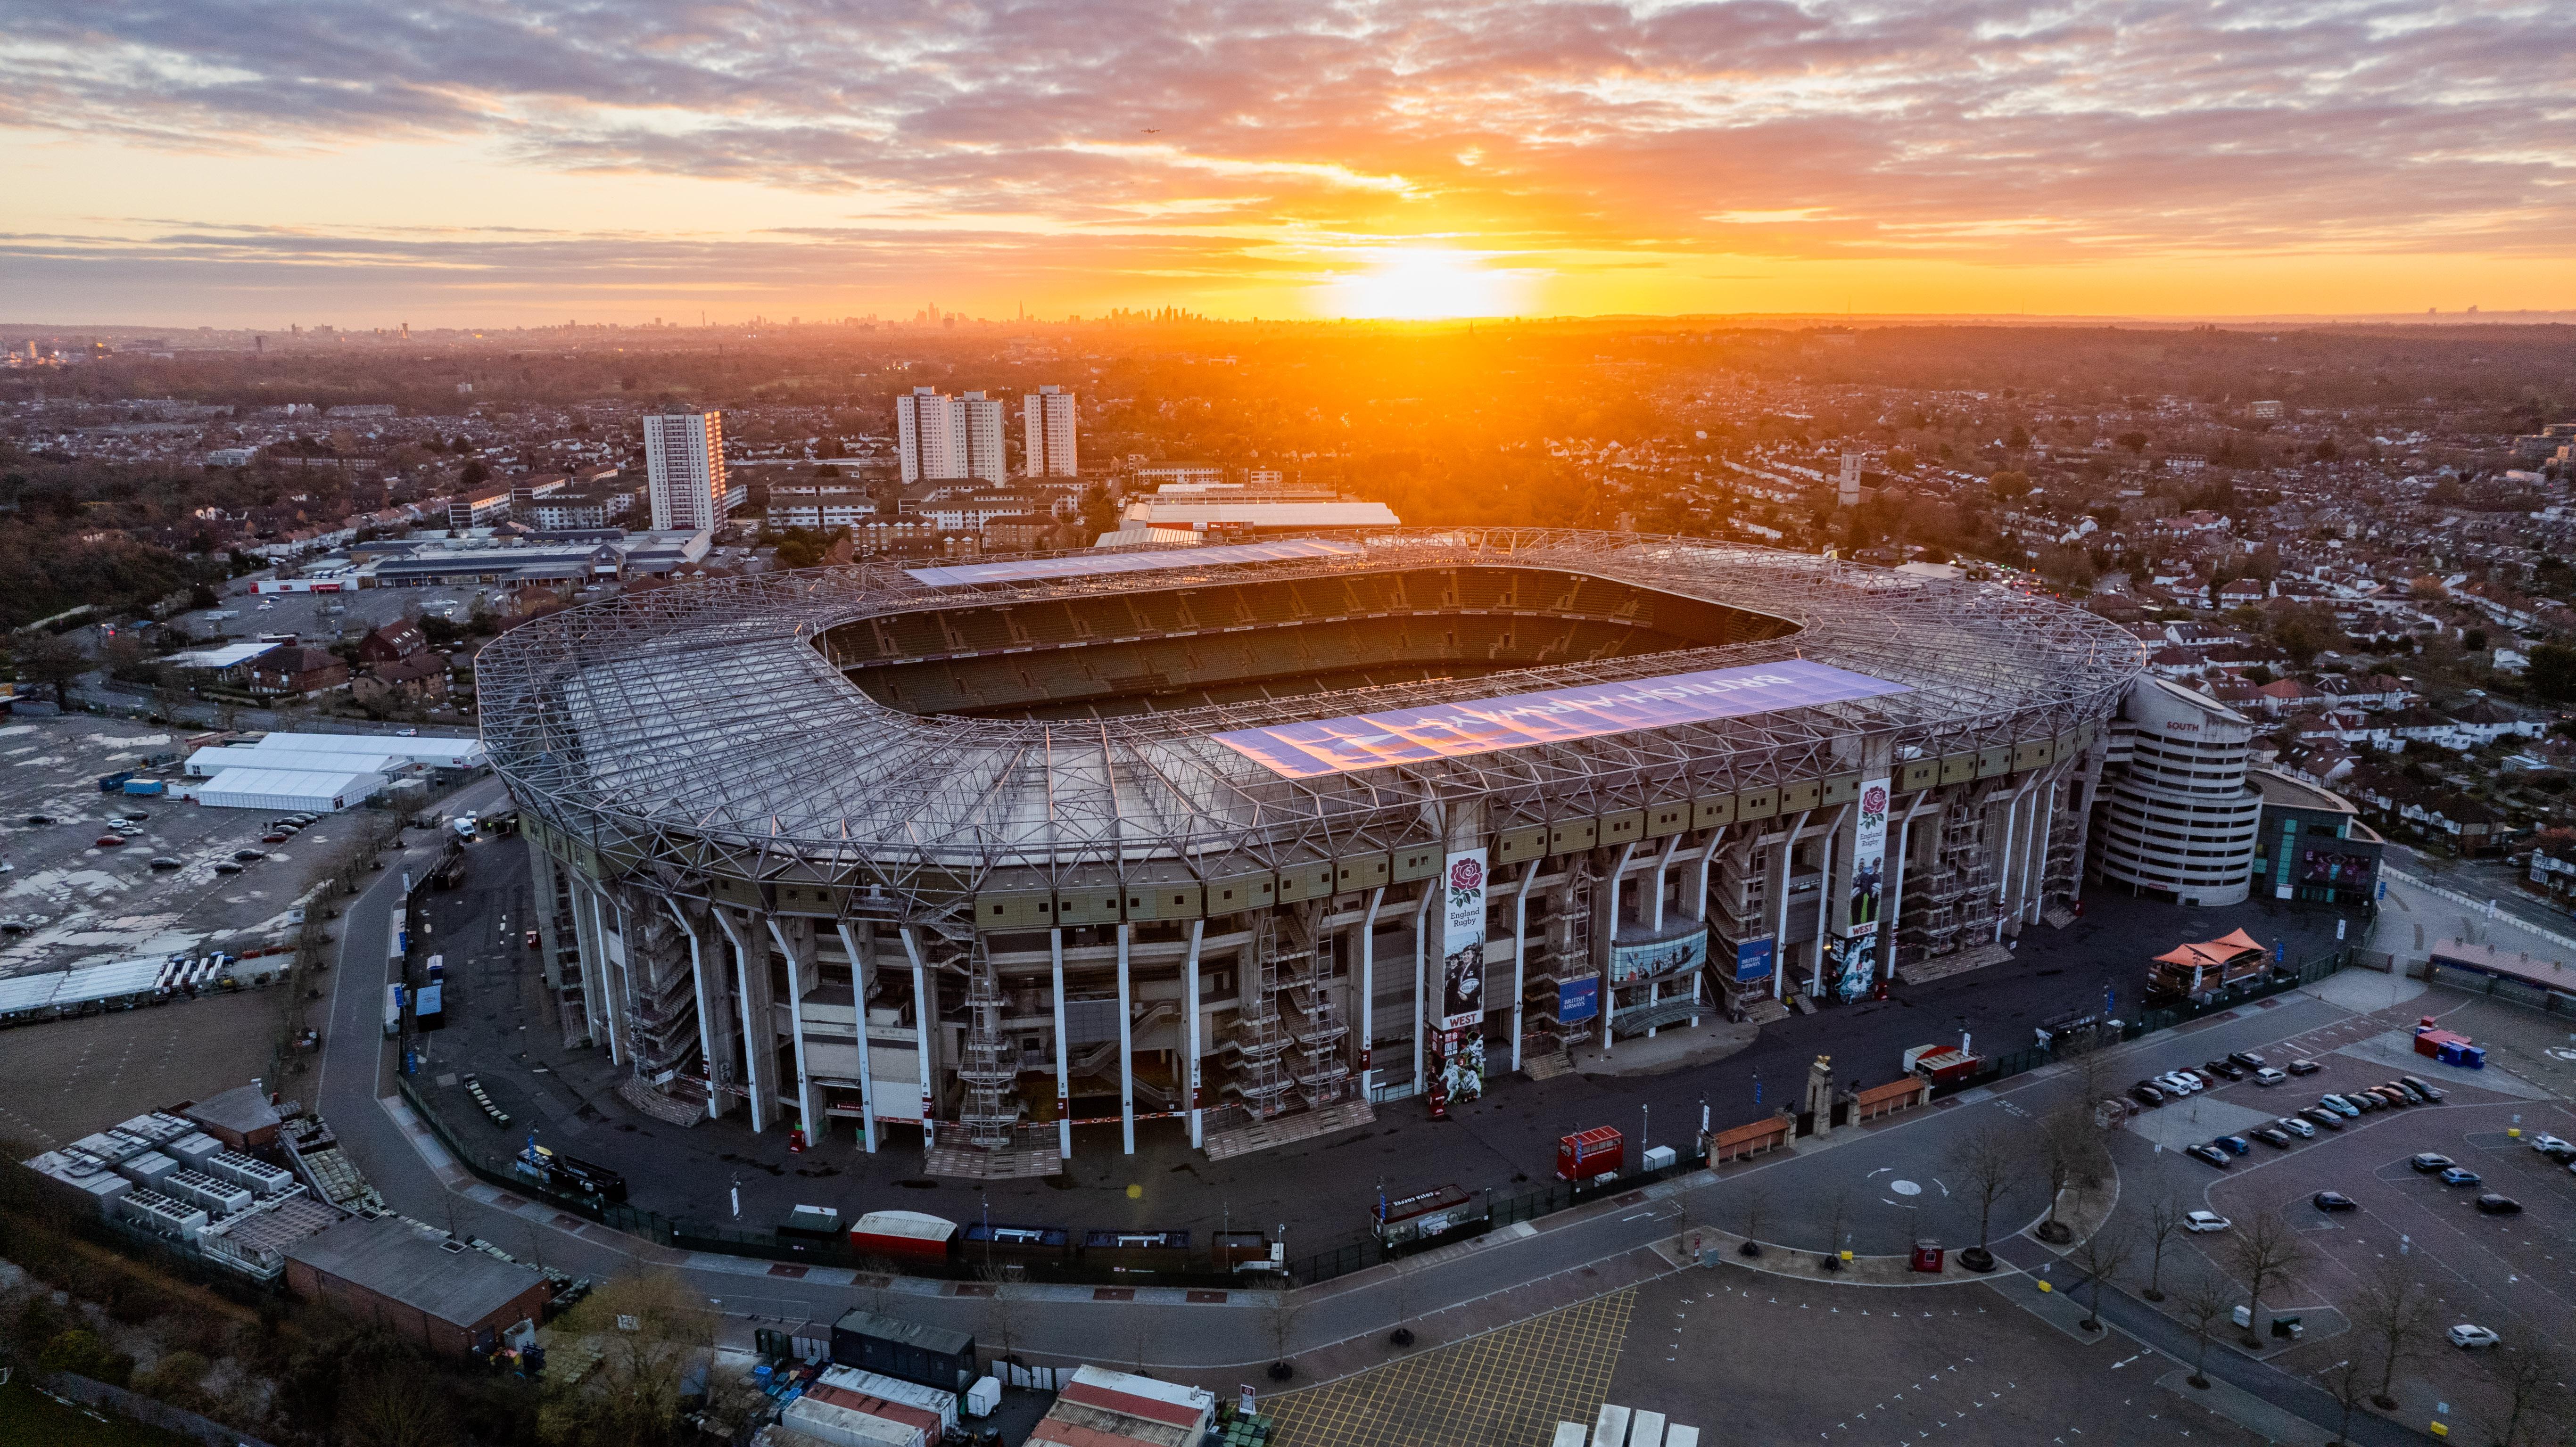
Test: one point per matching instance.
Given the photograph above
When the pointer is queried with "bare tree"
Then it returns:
(1404, 1268)
(2264, 1252)
(1837, 1216)
(2066, 1148)
(395, 1409)
(2349, 1380)
(2393, 1312)
(2101, 1255)
(2534, 1393)
(2204, 1305)
(2164, 1220)
(1988, 1161)
(1005, 1315)
(1757, 1204)
(1280, 1312)
(651, 1329)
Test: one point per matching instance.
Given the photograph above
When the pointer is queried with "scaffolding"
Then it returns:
(1262, 1079)
(1320, 1069)
(989, 1068)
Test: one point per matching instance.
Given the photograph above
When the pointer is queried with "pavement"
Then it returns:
(1323, 1190)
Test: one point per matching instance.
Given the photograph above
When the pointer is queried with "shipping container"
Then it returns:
(909, 1351)
(842, 1427)
(144, 787)
(999, 1241)
(904, 1235)
(1137, 1251)
(942, 1404)
(1585, 1154)
(919, 1419)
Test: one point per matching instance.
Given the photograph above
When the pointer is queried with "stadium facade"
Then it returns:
(1248, 838)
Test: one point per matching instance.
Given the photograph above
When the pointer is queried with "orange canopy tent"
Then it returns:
(2224, 950)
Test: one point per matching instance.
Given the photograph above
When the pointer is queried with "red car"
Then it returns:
(111, 841)
(532, 939)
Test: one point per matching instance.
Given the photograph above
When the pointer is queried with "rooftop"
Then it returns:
(241, 1110)
(411, 1263)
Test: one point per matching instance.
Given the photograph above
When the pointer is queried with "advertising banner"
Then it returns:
(1659, 957)
(1753, 960)
(1869, 859)
(1462, 943)
(1485, 725)
(1578, 999)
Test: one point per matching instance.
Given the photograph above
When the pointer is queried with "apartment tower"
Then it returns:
(1046, 416)
(684, 469)
(940, 437)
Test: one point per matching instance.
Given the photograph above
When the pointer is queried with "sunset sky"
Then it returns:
(259, 162)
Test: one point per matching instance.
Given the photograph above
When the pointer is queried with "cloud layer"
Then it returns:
(1246, 141)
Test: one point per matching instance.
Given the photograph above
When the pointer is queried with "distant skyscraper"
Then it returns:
(940, 438)
(684, 469)
(1047, 417)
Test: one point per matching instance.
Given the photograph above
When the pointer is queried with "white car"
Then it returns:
(2468, 1337)
(2296, 1126)
(2181, 1084)
(2205, 1221)
(2269, 1076)
(2547, 1142)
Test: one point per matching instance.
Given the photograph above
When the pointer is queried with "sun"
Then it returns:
(1421, 283)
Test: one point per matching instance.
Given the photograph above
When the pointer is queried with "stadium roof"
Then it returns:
(1200, 512)
(1023, 570)
(701, 729)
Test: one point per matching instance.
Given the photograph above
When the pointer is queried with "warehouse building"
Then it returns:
(417, 1282)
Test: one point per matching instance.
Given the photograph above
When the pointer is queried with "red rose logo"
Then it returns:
(1466, 874)
(1875, 801)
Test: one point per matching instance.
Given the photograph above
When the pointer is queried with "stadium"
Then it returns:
(1244, 841)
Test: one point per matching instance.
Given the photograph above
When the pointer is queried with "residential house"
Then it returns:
(399, 639)
(418, 679)
(295, 671)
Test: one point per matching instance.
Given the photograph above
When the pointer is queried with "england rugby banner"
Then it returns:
(1869, 859)
(1462, 943)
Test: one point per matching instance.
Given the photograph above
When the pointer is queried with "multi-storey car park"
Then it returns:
(1245, 839)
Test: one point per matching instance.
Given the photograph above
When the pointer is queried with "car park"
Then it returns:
(2249, 1059)
(2495, 1205)
(2304, 1067)
(2296, 1127)
(2232, 1144)
(2334, 1201)
(2268, 1076)
(2428, 1162)
(2424, 1088)
(2271, 1136)
(2205, 1221)
(2468, 1336)
(2461, 1176)
(2211, 1154)
(2324, 1117)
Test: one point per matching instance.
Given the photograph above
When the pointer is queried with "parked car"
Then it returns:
(2334, 1201)
(2423, 1087)
(169, 862)
(272, 838)
(2324, 1117)
(2393, 1099)
(110, 841)
(2461, 1176)
(2173, 1082)
(2232, 1144)
(2304, 1067)
(2145, 1094)
(2495, 1205)
(2249, 1059)
(2223, 1070)
(532, 939)
(38, 821)
(406, 733)
(247, 855)
(2413, 1096)
(2550, 1145)
(2205, 1221)
(2268, 1076)
(2428, 1162)
(2211, 1154)
(2468, 1336)
(135, 816)
(2339, 1106)
(2296, 1127)
(2271, 1136)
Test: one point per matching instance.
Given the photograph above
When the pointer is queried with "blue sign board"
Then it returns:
(1753, 959)
(1578, 999)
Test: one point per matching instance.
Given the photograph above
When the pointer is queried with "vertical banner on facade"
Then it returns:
(1462, 943)
(1868, 868)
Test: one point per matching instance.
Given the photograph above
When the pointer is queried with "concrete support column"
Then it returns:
(1827, 841)
(2006, 875)
(1889, 917)
(1063, 1053)
(1421, 1009)
(867, 1072)
(2043, 826)
(607, 1001)
(1190, 1005)
(1520, 951)
(925, 1006)
(1663, 863)
(809, 1111)
(1698, 907)
(1609, 932)
(1368, 991)
(759, 1043)
(706, 998)
(586, 953)
(1126, 1050)
(1784, 865)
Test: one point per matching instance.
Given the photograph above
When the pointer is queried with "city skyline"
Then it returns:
(1358, 161)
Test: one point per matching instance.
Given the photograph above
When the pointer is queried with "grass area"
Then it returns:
(29, 1418)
